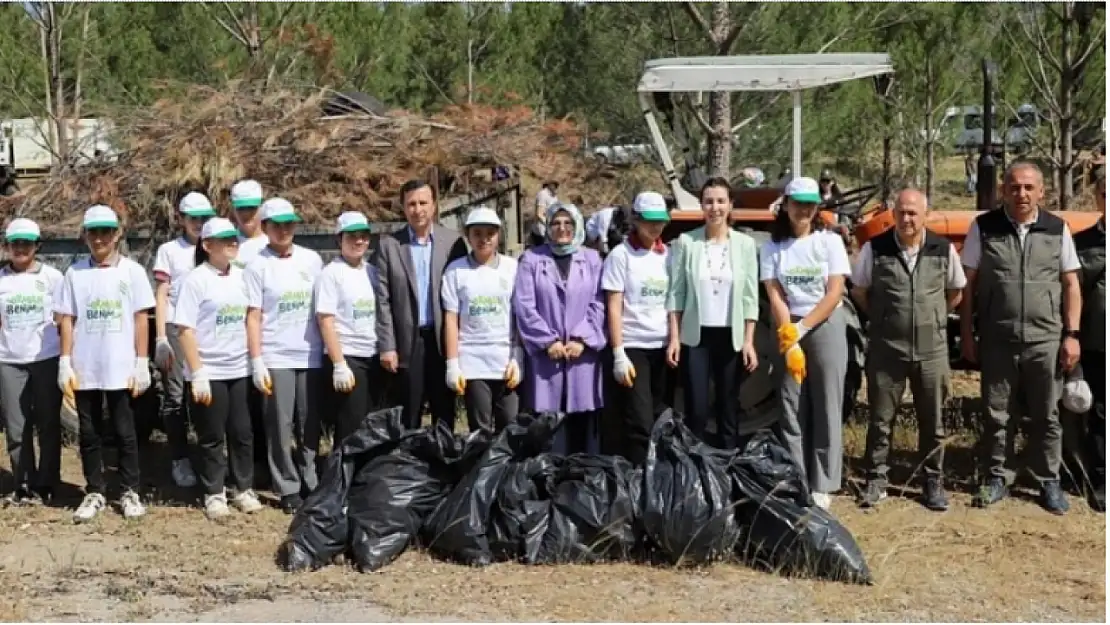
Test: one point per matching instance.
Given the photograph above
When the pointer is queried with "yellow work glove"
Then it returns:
(623, 370)
(790, 334)
(67, 382)
(796, 363)
(512, 372)
(455, 379)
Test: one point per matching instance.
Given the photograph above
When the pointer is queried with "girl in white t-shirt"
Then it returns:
(346, 311)
(211, 315)
(479, 334)
(285, 351)
(172, 262)
(804, 267)
(636, 279)
(29, 348)
(102, 322)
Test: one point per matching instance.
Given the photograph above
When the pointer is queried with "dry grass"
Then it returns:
(1012, 563)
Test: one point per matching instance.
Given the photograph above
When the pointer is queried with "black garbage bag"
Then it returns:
(687, 509)
(319, 529)
(592, 515)
(463, 526)
(392, 494)
(780, 528)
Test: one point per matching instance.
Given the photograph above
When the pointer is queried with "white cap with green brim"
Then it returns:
(196, 204)
(803, 190)
(482, 216)
(22, 229)
(246, 194)
(650, 206)
(218, 228)
(100, 216)
(279, 211)
(352, 221)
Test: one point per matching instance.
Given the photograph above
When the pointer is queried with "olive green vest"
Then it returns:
(908, 308)
(1091, 245)
(1018, 292)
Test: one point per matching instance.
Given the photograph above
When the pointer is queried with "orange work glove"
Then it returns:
(796, 363)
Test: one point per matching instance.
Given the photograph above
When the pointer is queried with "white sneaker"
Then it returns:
(183, 474)
(131, 506)
(247, 502)
(215, 506)
(822, 500)
(90, 506)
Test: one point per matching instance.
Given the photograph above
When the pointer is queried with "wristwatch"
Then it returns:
(1071, 334)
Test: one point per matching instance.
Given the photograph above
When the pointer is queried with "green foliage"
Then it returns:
(564, 59)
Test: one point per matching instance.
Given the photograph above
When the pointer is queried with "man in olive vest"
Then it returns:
(908, 279)
(1023, 295)
(1091, 247)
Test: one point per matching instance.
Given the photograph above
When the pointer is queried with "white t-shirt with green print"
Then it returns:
(482, 296)
(214, 305)
(802, 266)
(103, 301)
(348, 293)
(281, 287)
(27, 330)
(643, 277)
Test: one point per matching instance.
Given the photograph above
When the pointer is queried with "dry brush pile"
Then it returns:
(212, 137)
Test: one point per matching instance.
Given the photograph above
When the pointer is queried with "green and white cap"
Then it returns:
(279, 211)
(650, 206)
(246, 194)
(804, 190)
(100, 216)
(196, 204)
(219, 228)
(22, 229)
(352, 221)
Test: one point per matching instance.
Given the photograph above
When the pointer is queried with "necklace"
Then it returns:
(716, 278)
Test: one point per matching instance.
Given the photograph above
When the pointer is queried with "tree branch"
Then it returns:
(698, 18)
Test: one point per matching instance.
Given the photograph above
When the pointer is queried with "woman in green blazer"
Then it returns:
(714, 303)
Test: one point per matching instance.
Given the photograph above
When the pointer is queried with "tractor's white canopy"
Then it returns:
(780, 72)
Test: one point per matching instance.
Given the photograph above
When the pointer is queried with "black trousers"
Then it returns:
(256, 406)
(368, 395)
(713, 375)
(490, 405)
(638, 407)
(225, 420)
(422, 381)
(33, 406)
(1094, 371)
(90, 414)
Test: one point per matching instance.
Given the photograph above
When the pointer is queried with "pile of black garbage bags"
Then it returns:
(476, 500)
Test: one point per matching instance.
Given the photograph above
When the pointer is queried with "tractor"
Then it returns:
(752, 212)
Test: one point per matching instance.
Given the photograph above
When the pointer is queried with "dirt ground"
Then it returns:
(1012, 563)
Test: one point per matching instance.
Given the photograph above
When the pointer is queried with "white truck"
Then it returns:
(26, 144)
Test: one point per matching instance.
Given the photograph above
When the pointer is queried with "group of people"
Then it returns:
(257, 336)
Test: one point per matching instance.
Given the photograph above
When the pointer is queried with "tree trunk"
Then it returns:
(1067, 114)
(720, 102)
(470, 70)
(81, 63)
(930, 153)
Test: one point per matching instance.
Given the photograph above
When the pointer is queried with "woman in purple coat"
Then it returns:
(559, 312)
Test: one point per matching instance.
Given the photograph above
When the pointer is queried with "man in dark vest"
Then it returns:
(1023, 295)
(1091, 247)
(908, 279)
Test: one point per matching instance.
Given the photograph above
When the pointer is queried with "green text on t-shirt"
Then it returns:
(483, 305)
(653, 288)
(362, 311)
(294, 302)
(802, 276)
(25, 310)
(231, 315)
